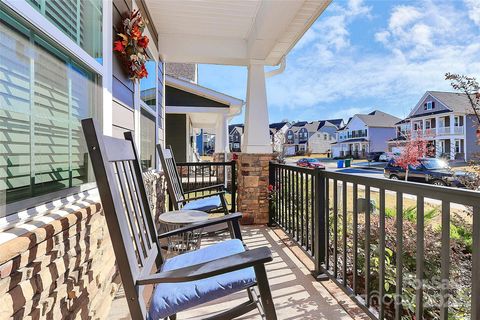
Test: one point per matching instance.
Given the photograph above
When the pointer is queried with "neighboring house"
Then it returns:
(365, 133)
(205, 142)
(446, 121)
(277, 135)
(321, 136)
(235, 137)
(314, 137)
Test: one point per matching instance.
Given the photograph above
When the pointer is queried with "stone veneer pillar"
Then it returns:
(252, 199)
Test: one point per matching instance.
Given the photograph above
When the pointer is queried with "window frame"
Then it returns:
(11, 212)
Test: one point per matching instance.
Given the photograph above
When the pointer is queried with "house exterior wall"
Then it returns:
(56, 261)
(318, 144)
(176, 135)
(378, 138)
(472, 146)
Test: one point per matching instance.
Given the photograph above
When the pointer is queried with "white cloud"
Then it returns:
(421, 43)
(382, 36)
(473, 7)
(402, 16)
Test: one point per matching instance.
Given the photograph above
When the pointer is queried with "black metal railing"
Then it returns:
(401, 250)
(196, 175)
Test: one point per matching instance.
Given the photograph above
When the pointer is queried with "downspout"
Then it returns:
(279, 70)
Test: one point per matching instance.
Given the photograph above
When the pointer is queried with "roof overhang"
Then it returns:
(203, 117)
(231, 32)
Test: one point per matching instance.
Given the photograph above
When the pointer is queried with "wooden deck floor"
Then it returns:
(297, 295)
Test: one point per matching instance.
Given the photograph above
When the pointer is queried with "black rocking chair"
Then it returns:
(186, 280)
(212, 202)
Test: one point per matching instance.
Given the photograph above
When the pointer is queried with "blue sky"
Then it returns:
(363, 55)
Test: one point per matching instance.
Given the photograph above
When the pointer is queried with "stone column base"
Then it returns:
(252, 199)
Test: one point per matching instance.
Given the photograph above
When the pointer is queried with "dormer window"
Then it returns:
(429, 105)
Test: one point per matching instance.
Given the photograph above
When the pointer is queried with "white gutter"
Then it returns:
(281, 68)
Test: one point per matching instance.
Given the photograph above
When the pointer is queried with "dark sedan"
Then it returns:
(310, 163)
(429, 170)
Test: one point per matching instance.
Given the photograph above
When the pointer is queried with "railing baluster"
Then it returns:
(355, 238)
(289, 201)
(294, 204)
(327, 223)
(335, 228)
(367, 245)
(302, 213)
(344, 232)
(297, 211)
(476, 263)
(381, 271)
(445, 257)
(420, 243)
(312, 213)
(307, 213)
(398, 282)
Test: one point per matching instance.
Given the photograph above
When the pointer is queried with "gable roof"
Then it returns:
(335, 122)
(277, 125)
(378, 119)
(299, 124)
(457, 102)
(238, 126)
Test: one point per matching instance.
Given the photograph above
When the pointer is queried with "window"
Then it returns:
(458, 146)
(147, 140)
(429, 105)
(81, 21)
(44, 95)
(148, 85)
(456, 121)
(325, 136)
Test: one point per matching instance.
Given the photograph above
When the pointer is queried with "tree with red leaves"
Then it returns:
(414, 149)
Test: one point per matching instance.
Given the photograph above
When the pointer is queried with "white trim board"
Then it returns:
(39, 21)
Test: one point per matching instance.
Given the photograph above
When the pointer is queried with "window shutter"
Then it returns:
(433, 104)
(425, 106)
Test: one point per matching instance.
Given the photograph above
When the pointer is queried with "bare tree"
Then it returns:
(470, 87)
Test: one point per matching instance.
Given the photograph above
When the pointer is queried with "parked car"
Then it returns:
(429, 170)
(374, 156)
(387, 156)
(310, 163)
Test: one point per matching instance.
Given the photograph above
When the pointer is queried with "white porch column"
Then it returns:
(256, 137)
(452, 148)
(221, 135)
(452, 124)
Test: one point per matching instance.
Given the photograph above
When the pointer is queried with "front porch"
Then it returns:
(296, 293)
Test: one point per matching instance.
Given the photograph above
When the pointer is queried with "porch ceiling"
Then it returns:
(231, 32)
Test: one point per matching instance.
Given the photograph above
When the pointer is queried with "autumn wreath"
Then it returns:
(132, 44)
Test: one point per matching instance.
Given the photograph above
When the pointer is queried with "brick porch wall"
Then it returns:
(63, 269)
(253, 187)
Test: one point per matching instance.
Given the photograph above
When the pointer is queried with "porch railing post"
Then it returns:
(319, 221)
(234, 185)
(271, 204)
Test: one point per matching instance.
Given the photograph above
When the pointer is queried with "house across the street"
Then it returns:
(365, 133)
(277, 134)
(446, 121)
(315, 137)
(235, 137)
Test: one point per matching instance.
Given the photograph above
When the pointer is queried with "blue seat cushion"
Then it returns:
(205, 204)
(171, 298)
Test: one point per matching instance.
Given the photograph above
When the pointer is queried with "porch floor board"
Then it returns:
(297, 295)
